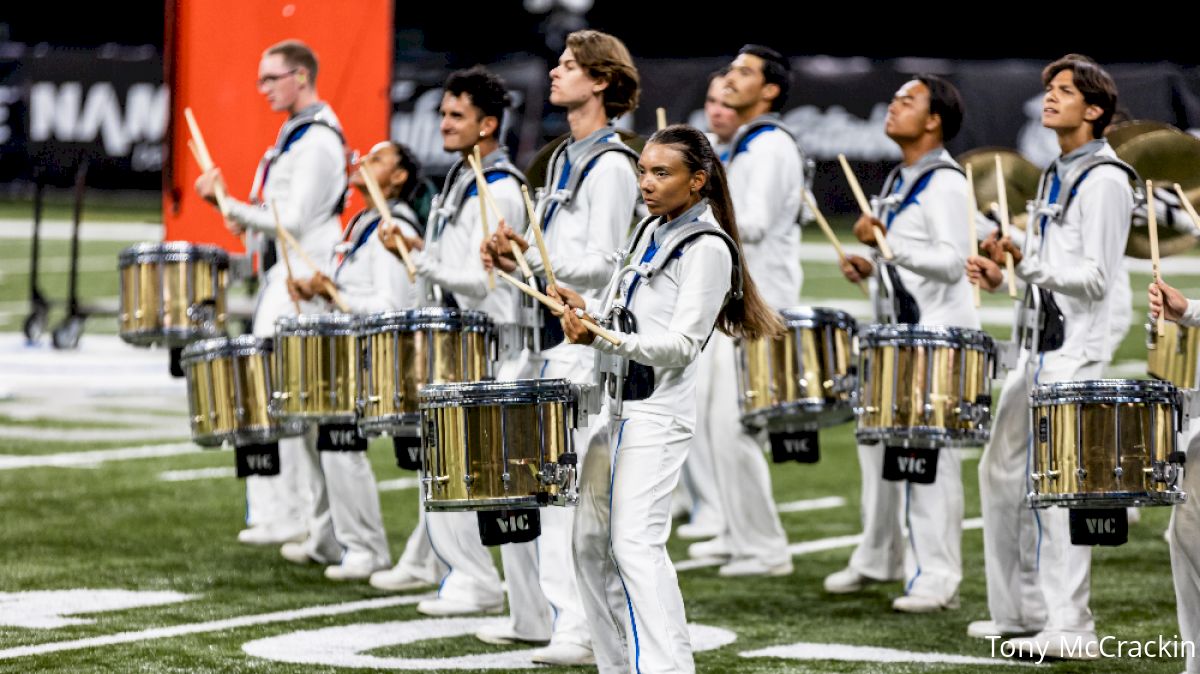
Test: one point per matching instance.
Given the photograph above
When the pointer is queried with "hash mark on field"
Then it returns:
(87, 459)
(823, 503)
(197, 474)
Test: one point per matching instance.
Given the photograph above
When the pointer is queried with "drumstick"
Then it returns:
(220, 183)
(661, 114)
(1008, 258)
(1152, 226)
(516, 251)
(386, 214)
(476, 163)
(537, 235)
(556, 306)
(287, 263)
(333, 291)
(1187, 205)
(971, 233)
(864, 206)
(205, 160)
(824, 225)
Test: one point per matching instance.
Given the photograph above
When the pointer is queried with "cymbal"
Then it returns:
(1118, 134)
(1020, 179)
(1164, 156)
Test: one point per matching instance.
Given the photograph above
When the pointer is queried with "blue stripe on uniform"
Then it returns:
(637, 651)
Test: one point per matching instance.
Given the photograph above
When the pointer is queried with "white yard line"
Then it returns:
(809, 547)
(197, 474)
(60, 230)
(92, 458)
(210, 626)
(849, 653)
(823, 503)
(399, 484)
(162, 432)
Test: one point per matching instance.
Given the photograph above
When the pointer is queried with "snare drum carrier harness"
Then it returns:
(448, 204)
(1040, 324)
(626, 379)
(893, 302)
(553, 197)
(318, 114)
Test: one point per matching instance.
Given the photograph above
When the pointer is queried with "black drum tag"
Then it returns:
(340, 438)
(1099, 526)
(798, 446)
(914, 464)
(257, 459)
(497, 527)
(408, 451)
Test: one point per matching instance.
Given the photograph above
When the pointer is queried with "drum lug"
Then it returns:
(1118, 472)
(1081, 473)
(505, 477)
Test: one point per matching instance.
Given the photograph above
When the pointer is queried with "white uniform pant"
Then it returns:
(354, 505)
(752, 526)
(1185, 549)
(418, 560)
(699, 481)
(472, 577)
(931, 554)
(1035, 578)
(543, 596)
(627, 582)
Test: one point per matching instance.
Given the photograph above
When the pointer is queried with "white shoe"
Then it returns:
(397, 580)
(716, 548)
(273, 534)
(1133, 515)
(984, 629)
(564, 654)
(849, 581)
(752, 566)
(698, 531)
(503, 635)
(1058, 645)
(915, 603)
(296, 553)
(440, 607)
(354, 566)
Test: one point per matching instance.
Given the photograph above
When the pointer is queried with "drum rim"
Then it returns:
(331, 324)
(410, 320)
(172, 251)
(1104, 499)
(435, 396)
(221, 347)
(885, 332)
(1104, 391)
(796, 316)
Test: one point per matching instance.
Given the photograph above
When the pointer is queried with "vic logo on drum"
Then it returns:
(911, 464)
(344, 437)
(513, 523)
(1101, 525)
(259, 461)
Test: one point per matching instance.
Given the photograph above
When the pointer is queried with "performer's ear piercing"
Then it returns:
(301, 78)
(481, 134)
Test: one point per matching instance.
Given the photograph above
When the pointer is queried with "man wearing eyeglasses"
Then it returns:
(304, 175)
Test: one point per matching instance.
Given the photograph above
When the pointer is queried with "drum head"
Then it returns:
(811, 317)
(224, 347)
(906, 334)
(1105, 391)
(518, 392)
(442, 318)
(172, 251)
(318, 324)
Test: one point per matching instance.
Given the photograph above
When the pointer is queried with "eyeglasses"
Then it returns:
(272, 79)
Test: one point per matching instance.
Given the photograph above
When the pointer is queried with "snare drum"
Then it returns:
(229, 392)
(499, 445)
(172, 293)
(1173, 356)
(924, 386)
(318, 362)
(1106, 443)
(802, 379)
(405, 350)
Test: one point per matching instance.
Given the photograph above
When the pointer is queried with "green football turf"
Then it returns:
(117, 525)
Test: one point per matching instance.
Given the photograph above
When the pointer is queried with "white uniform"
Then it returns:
(451, 261)
(306, 183)
(628, 584)
(369, 280)
(766, 182)
(1185, 530)
(581, 237)
(930, 246)
(1036, 579)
